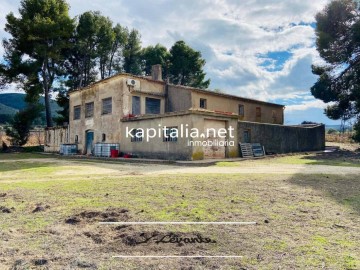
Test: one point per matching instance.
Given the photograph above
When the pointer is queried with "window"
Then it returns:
(273, 116)
(89, 109)
(241, 110)
(246, 134)
(258, 112)
(106, 106)
(203, 104)
(76, 138)
(103, 137)
(171, 134)
(152, 105)
(137, 135)
(77, 112)
(136, 109)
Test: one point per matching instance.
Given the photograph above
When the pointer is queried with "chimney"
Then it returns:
(156, 72)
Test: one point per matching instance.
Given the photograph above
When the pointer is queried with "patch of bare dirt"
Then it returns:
(342, 152)
(5, 210)
(109, 215)
(40, 208)
(354, 147)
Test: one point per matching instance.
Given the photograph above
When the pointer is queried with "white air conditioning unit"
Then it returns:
(135, 84)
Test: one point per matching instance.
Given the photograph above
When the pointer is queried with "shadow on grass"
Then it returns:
(22, 155)
(334, 158)
(345, 190)
(22, 161)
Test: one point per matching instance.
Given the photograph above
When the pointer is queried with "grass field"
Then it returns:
(50, 210)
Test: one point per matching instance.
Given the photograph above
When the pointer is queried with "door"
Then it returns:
(215, 147)
(89, 142)
(246, 136)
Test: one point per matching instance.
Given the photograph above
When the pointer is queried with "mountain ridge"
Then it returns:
(10, 103)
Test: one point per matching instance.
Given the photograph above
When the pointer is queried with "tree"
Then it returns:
(117, 47)
(132, 53)
(309, 123)
(21, 124)
(34, 53)
(97, 49)
(153, 56)
(332, 131)
(62, 100)
(91, 46)
(338, 43)
(186, 66)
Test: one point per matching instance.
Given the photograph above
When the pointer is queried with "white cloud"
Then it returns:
(318, 104)
(230, 34)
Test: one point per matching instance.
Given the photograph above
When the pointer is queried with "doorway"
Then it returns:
(215, 147)
(89, 142)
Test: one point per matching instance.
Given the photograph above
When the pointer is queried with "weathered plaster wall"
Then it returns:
(178, 100)
(226, 104)
(179, 150)
(109, 124)
(156, 147)
(54, 137)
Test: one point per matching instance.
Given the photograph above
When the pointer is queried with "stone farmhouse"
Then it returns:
(150, 118)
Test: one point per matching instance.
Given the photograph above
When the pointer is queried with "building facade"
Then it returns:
(169, 121)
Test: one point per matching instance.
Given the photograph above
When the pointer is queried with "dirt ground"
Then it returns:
(306, 208)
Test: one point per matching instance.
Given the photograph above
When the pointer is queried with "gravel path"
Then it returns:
(84, 167)
(266, 169)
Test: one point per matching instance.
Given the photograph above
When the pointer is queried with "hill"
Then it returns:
(337, 127)
(10, 103)
(7, 110)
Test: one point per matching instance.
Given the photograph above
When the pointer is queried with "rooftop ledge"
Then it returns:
(188, 112)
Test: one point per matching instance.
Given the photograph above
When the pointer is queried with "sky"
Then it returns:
(261, 49)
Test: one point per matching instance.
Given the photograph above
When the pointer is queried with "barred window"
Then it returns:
(103, 137)
(136, 109)
(171, 134)
(137, 135)
(89, 109)
(77, 112)
(241, 110)
(203, 103)
(107, 106)
(152, 105)
(258, 112)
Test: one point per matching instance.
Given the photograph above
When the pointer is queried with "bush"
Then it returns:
(4, 147)
(332, 131)
(19, 131)
(356, 136)
(30, 149)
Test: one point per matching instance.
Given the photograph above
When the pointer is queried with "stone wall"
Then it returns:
(54, 137)
(181, 149)
(284, 139)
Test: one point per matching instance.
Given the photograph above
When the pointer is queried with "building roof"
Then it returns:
(178, 86)
(225, 95)
(116, 76)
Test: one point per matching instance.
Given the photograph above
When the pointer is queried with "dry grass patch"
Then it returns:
(304, 221)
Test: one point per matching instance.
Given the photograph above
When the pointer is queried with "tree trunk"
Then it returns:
(49, 122)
